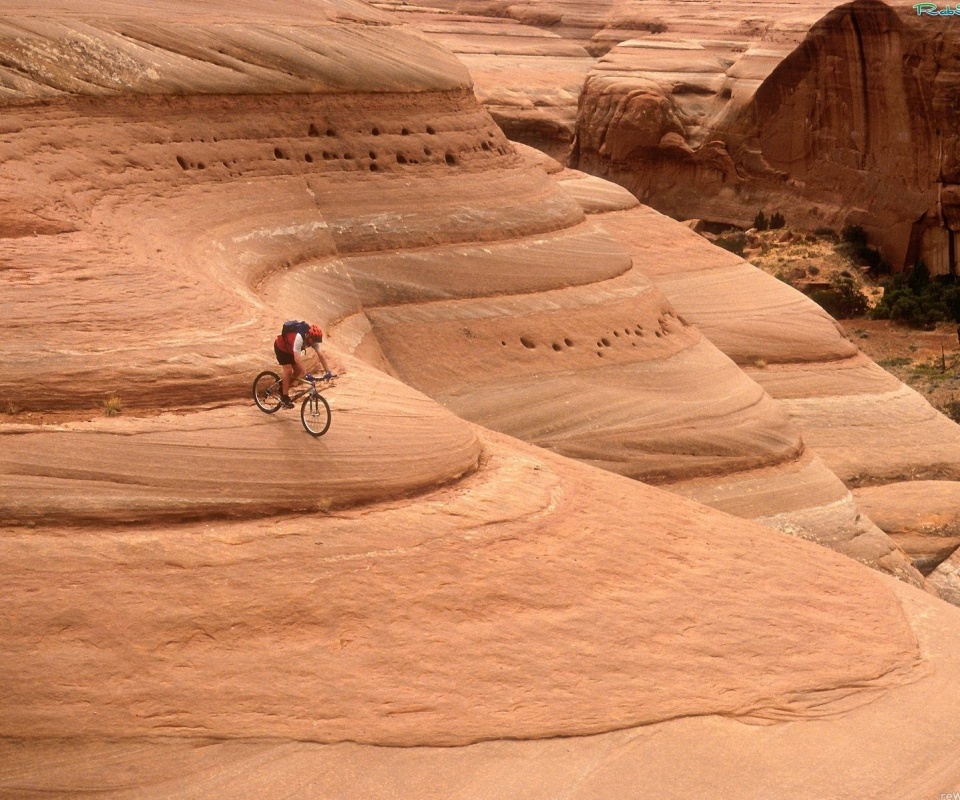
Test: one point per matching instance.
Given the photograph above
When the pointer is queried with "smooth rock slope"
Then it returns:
(205, 601)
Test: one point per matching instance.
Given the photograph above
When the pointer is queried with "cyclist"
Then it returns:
(292, 341)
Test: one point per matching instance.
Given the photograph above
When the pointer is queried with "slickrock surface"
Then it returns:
(808, 759)
(528, 78)
(356, 617)
(204, 601)
(923, 517)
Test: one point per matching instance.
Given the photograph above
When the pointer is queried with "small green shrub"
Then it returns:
(777, 221)
(733, 241)
(843, 300)
(918, 300)
(899, 361)
(854, 234)
(853, 245)
(951, 409)
(760, 221)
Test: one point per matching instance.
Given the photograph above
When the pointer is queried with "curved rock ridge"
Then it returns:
(529, 79)
(236, 190)
(922, 516)
(867, 425)
(810, 761)
(226, 190)
(459, 589)
(52, 57)
(173, 466)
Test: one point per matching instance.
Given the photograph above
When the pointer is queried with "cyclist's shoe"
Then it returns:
(327, 376)
(309, 378)
(285, 401)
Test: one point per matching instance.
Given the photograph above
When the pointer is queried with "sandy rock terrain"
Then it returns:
(204, 601)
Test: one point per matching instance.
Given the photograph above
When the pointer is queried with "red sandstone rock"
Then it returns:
(483, 590)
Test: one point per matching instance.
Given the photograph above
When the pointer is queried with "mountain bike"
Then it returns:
(314, 411)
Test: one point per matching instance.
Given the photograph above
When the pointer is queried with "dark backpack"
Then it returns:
(295, 326)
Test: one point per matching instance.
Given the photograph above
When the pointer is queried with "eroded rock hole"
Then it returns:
(430, 130)
(375, 131)
(372, 155)
(401, 158)
(568, 342)
(331, 132)
(405, 132)
(374, 167)
(313, 130)
(451, 159)
(308, 158)
(605, 341)
(278, 153)
(484, 145)
(557, 347)
(527, 343)
(427, 151)
(182, 162)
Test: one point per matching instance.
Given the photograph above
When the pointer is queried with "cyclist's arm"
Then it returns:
(323, 360)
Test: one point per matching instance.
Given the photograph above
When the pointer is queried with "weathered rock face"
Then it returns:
(410, 578)
(529, 79)
(668, 42)
(853, 126)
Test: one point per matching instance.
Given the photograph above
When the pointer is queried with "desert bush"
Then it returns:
(777, 220)
(918, 300)
(853, 245)
(843, 300)
(112, 407)
(734, 241)
(951, 409)
(854, 234)
(760, 221)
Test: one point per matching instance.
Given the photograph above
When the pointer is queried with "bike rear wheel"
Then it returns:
(267, 388)
(315, 414)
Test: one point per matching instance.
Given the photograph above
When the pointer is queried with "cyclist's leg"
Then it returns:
(286, 380)
(296, 371)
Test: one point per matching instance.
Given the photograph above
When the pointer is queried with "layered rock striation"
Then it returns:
(194, 571)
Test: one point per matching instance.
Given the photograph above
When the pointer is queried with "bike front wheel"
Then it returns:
(315, 414)
(267, 388)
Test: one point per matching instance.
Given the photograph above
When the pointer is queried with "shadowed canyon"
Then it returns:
(603, 510)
